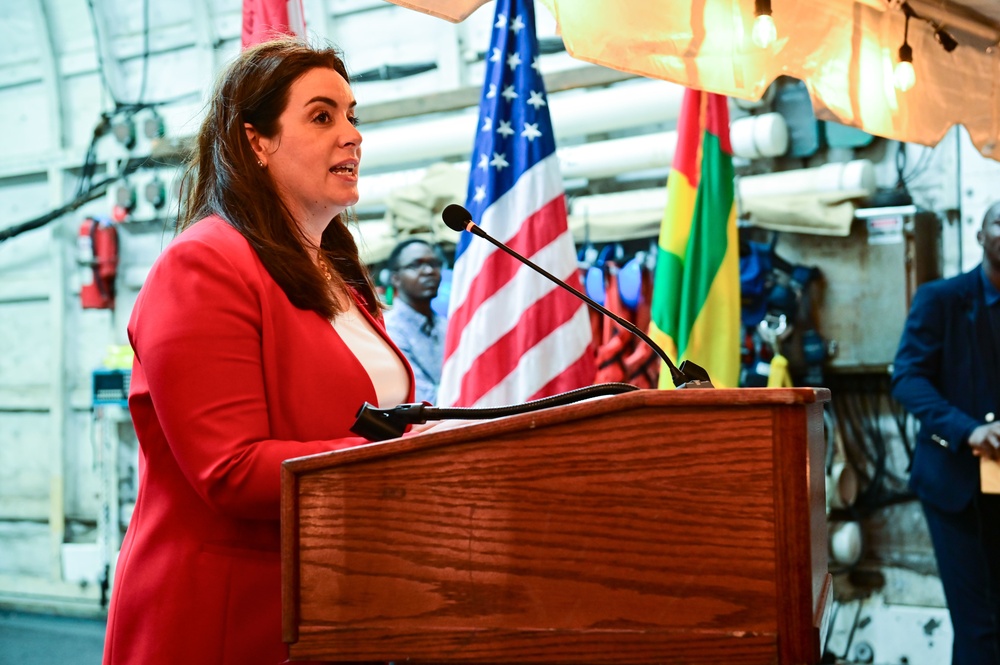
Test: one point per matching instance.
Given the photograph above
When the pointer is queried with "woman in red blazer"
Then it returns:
(257, 337)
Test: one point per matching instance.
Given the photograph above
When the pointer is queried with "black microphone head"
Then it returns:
(456, 217)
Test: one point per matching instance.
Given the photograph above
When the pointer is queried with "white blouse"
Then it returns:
(384, 367)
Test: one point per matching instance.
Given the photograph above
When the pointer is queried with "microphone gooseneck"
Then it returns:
(688, 375)
(377, 424)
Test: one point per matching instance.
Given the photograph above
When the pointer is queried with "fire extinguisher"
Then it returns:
(97, 253)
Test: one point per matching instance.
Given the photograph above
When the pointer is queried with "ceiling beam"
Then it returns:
(50, 71)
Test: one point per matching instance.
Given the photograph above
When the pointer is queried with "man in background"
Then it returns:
(415, 275)
(947, 374)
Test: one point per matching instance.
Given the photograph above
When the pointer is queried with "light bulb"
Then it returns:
(904, 76)
(764, 33)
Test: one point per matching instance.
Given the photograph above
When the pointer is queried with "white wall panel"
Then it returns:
(25, 364)
(23, 258)
(83, 103)
(18, 73)
(229, 28)
(70, 24)
(24, 462)
(126, 20)
(405, 37)
(177, 74)
(82, 481)
(94, 330)
(979, 180)
(25, 116)
(17, 33)
(351, 6)
(22, 197)
(220, 7)
(24, 550)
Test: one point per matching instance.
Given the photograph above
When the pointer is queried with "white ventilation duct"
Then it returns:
(637, 200)
(757, 136)
(833, 181)
(601, 159)
(819, 201)
(576, 113)
(618, 216)
(637, 213)
(605, 159)
(753, 136)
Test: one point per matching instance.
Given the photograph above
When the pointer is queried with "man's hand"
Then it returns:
(985, 441)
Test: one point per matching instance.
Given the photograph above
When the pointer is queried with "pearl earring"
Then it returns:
(260, 163)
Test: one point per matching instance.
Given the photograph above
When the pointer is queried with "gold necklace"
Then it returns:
(340, 296)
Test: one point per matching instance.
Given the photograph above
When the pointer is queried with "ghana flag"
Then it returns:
(696, 296)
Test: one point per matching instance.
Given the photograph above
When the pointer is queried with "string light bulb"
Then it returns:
(764, 33)
(904, 75)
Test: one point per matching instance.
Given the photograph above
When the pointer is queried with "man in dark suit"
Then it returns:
(947, 374)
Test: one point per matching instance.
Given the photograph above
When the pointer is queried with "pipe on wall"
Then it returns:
(757, 136)
(836, 180)
(576, 113)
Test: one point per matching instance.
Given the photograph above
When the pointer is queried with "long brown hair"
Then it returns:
(223, 177)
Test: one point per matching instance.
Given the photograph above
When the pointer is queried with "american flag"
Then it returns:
(512, 334)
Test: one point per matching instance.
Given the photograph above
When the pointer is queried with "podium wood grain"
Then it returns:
(651, 527)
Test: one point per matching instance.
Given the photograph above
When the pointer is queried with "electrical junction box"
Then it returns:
(110, 386)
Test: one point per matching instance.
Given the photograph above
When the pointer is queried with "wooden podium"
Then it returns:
(651, 527)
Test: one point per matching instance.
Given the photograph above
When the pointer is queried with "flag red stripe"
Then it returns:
(568, 379)
(536, 323)
(536, 232)
(688, 137)
(718, 121)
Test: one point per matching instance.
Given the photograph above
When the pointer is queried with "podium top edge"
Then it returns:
(724, 398)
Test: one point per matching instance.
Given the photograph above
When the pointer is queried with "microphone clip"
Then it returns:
(692, 375)
(377, 424)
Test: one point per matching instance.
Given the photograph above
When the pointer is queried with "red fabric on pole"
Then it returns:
(268, 19)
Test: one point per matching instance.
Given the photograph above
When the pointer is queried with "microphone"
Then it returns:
(689, 375)
(377, 424)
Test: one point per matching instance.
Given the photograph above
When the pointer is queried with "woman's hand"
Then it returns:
(438, 426)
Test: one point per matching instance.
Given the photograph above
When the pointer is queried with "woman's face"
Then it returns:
(313, 159)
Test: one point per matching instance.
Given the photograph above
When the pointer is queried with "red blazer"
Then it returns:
(229, 380)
